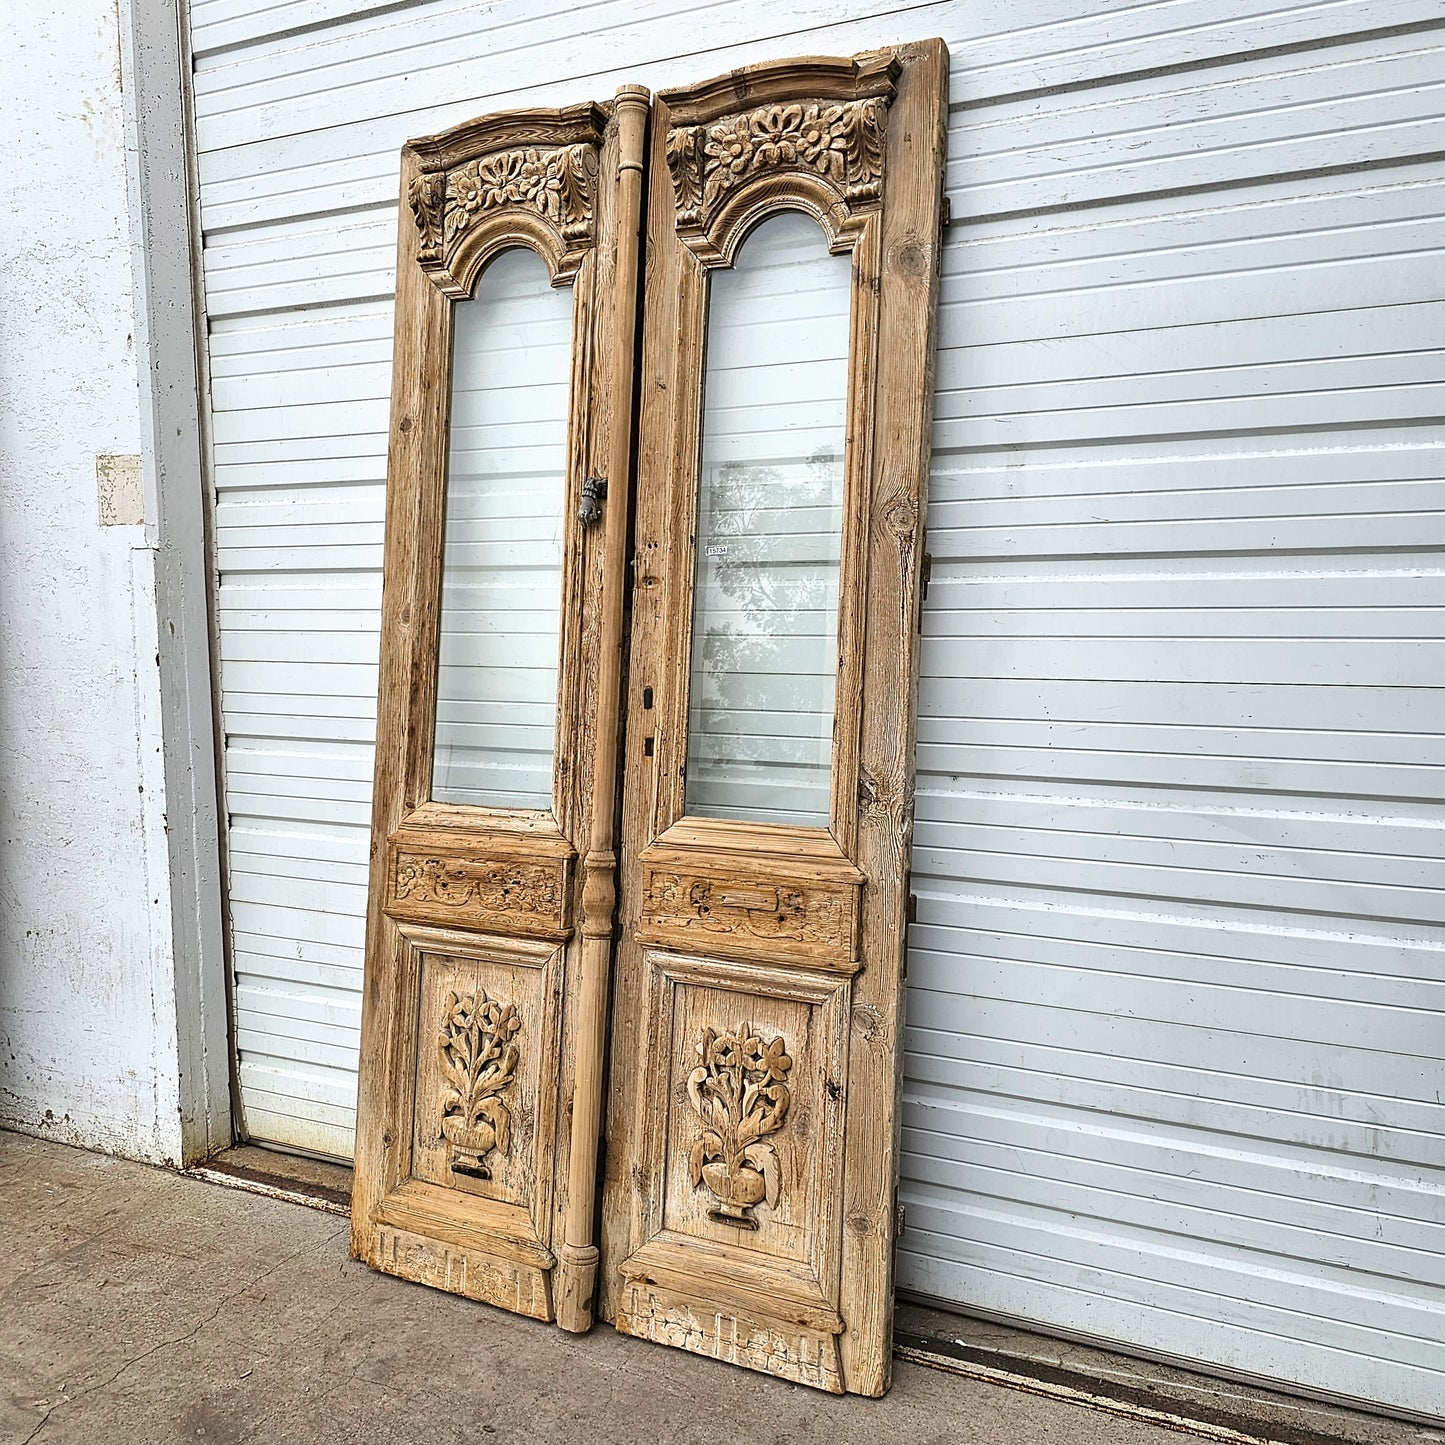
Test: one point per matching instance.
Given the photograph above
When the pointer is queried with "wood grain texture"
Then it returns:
(483, 1010)
(753, 1135)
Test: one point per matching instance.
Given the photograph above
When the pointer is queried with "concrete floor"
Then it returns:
(137, 1305)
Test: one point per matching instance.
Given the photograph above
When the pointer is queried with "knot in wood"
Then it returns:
(911, 258)
(899, 515)
(866, 1021)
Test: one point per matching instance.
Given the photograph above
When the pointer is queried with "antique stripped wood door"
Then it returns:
(787, 377)
(491, 891)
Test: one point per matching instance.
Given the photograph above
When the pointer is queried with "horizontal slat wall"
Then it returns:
(1177, 988)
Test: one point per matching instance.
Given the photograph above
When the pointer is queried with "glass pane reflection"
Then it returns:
(769, 531)
(502, 551)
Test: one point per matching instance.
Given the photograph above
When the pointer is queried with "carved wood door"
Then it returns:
(794, 214)
(491, 890)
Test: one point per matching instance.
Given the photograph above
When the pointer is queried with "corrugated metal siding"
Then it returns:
(1177, 997)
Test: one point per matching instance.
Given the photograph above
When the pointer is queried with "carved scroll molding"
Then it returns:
(739, 1091)
(495, 887)
(522, 178)
(819, 140)
(814, 921)
(479, 1064)
(523, 896)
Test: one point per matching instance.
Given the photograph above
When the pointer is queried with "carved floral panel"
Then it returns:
(557, 184)
(740, 1094)
(479, 1057)
(485, 1066)
(741, 1150)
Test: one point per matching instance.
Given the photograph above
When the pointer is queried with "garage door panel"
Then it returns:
(1361, 1075)
(1132, 810)
(1260, 1292)
(1283, 1111)
(299, 926)
(1249, 840)
(1161, 1203)
(1399, 715)
(1015, 1145)
(1147, 868)
(942, 951)
(1268, 468)
(1265, 1012)
(1247, 1338)
(332, 958)
(1059, 753)
(258, 139)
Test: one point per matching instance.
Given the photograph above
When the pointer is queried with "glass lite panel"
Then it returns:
(769, 530)
(502, 547)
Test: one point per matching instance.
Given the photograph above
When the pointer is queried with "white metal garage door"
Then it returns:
(1178, 1000)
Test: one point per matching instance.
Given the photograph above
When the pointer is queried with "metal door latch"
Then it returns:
(594, 493)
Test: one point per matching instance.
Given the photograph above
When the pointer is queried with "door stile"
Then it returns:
(475, 1015)
(901, 439)
(420, 361)
(854, 601)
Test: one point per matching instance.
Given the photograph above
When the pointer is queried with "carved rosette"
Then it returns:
(739, 1091)
(841, 143)
(479, 1064)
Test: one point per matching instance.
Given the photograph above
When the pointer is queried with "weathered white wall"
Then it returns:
(88, 1027)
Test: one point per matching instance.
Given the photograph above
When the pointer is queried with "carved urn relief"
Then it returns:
(479, 1062)
(740, 1093)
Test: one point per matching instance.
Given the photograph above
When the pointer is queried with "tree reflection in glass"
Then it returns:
(769, 530)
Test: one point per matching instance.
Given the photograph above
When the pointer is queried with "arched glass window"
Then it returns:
(769, 529)
(501, 597)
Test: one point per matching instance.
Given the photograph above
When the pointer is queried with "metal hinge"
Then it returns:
(900, 1219)
(910, 917)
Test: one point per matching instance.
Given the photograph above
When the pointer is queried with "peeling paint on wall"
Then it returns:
(87, 988)
(120, 490)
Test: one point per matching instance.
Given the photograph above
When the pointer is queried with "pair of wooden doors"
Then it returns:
(708, 999)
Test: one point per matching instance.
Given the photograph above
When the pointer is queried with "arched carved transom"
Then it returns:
(817, 138)
(524, 178)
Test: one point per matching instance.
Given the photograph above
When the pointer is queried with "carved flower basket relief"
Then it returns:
(479, 1062)
(740, 1093)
